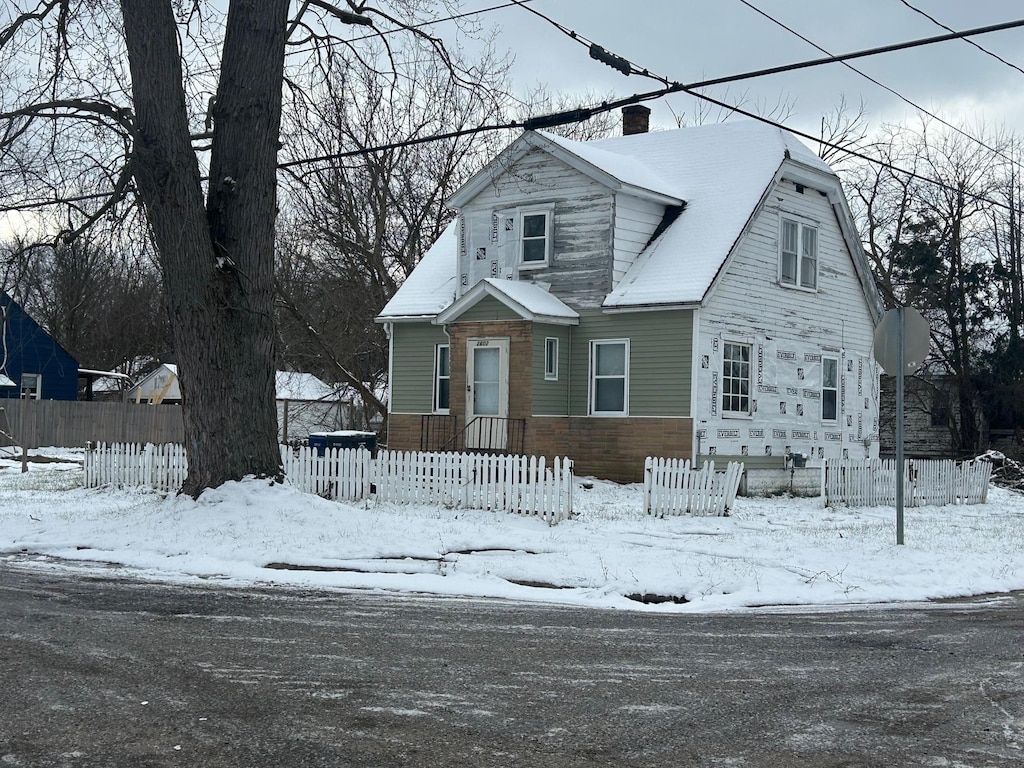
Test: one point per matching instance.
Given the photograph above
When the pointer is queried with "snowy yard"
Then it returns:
(780, 551)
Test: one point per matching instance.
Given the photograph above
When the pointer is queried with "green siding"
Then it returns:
(412, 366)
(660, 359)
(550, 398)
(485, 310)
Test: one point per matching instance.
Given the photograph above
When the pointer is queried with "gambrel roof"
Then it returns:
(719, 175)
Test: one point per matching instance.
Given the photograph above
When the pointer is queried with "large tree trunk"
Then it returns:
(217, 259)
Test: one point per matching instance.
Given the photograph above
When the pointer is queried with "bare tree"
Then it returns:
(205, 95)
(925, 236)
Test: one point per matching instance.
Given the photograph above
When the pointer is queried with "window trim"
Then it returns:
(435, 400)
(835, 389)
(547, 212)
(551, 358)
(592, 399)
(802, 226)
(728, 413)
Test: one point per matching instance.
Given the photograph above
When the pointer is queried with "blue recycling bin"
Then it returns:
(348, 438)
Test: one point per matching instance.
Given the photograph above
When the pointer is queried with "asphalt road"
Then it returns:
(101, 671)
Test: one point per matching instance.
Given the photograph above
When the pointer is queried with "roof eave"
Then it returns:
(650, 307)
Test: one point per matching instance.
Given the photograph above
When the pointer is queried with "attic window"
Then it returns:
(798, 255)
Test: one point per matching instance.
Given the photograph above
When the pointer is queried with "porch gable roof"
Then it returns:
(528, 300)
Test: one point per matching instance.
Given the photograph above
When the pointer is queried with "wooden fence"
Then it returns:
(926, 482)
(673, 487)
(35, 423)
(517, 484)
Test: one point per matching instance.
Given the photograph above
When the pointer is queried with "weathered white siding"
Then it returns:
(580, 268)
(635, 222)
(789, 331)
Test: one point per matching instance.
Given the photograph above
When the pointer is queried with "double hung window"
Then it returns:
(609, 377)
(736, 379)
(442, 378)
(798, 255)
(535, 238)
(829, 389)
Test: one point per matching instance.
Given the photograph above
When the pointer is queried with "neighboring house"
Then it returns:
(158, 386)
(931, 418)
(304, 403)
(689, 293)
(32, 364)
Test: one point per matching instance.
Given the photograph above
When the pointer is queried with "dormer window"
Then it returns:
(798, 257)
(535, 238)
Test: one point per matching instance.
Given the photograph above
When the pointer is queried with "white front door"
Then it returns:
(487, 394)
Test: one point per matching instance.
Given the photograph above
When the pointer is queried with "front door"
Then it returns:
(487, 394)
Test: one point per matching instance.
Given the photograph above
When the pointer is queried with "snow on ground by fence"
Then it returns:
(517, 484)
(872, 482)
(672, 487)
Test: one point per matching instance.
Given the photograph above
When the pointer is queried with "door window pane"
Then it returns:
(486, 385)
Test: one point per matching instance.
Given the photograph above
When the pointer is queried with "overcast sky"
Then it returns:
(693, 40)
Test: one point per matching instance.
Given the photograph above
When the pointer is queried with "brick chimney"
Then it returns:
(635, 119)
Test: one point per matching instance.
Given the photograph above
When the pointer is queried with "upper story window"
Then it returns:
(829, 389)
(535, 237)
(735, 379)
(609, 377)
(442, 378)
(798, 255)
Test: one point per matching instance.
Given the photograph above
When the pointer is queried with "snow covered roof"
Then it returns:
(529, 300)
(431, 286)
(293, 385)
(5, 381)
(719, 173)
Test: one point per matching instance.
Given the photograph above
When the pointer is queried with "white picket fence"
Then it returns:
(926, 482)
(673, 487)
(516, 484)
(160, 467)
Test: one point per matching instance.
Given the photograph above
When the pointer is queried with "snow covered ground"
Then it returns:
(779, 551)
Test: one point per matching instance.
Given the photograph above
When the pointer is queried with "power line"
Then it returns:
(938, 23)
(578, 115)
(868, 77)
(596, 51)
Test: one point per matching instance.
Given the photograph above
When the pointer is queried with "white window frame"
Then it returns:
(34, 393)
(551, 358)
(727, 376)
(594, 345)
(438, 377)
(806, 237)
(548, 213)
(834, 389)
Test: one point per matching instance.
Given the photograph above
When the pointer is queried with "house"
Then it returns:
(32, 364)
(159, 386)
(931, 417)
(690, 293)
(304, 403)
